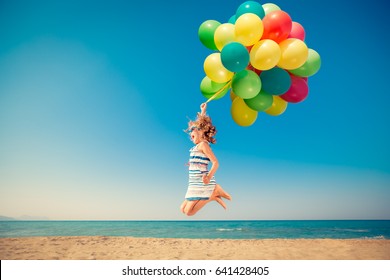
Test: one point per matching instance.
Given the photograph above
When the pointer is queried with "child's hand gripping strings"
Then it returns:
(203, 108)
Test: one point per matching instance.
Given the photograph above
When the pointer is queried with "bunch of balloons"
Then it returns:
(261, 58)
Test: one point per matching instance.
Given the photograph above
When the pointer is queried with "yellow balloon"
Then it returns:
(241, 113)
(265, 54)
(215, 70)
(278, 106)
(223, 35)
(294, 53)
(248, 29)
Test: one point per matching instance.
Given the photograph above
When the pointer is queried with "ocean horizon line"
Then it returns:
(187, 220)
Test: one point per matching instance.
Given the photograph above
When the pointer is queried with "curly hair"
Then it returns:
(204, 123)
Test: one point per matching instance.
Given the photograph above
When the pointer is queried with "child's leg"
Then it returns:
(188, 206)
(192, 207)
(200, 203)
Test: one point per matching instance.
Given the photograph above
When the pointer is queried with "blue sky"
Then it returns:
(94, 97)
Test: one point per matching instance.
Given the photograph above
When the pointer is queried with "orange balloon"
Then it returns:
(294, 53)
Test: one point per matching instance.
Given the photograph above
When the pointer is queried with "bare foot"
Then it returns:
(182, 206)
(220, 192)
(220, 201)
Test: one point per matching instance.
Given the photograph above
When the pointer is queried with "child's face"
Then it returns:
(196, 135)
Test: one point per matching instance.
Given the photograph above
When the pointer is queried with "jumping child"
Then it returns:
(202, 187)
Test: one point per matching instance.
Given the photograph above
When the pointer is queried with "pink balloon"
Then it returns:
(297, 31)
(298, 90)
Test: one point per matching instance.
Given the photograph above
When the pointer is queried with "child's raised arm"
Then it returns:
(203, 108)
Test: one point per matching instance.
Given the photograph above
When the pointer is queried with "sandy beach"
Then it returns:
(129, 248)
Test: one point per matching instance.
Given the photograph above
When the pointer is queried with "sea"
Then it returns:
(242, 229)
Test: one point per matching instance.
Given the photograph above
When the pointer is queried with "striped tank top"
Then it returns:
(198, 166)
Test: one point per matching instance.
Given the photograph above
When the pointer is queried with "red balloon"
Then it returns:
(298, 90)
(250, 67)
(297, 31)
(277, 26)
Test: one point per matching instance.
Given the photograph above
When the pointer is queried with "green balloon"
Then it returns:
(206, 33)
(260, 102)
(208, 88)
(310, 67)
(246, 84)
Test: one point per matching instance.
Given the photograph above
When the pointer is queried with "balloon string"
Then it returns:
(219, 91)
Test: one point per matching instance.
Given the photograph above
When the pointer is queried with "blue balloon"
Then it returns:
(250, 7)
(232, 19)
(275, 81)
(235, 57)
